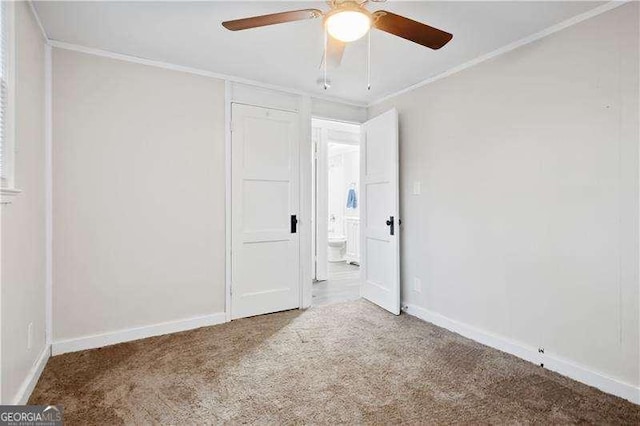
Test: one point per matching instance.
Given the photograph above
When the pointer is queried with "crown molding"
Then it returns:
(38, 21)
(174, 67)
(508, 48)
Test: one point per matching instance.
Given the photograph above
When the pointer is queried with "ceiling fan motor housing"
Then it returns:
(348, 21)
(345, 6)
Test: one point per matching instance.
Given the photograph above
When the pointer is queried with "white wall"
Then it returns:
(138, 195)
(23, 221)
(527, 223)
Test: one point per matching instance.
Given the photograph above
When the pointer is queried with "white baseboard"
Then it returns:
(518, 349)
(592, 378)
(528, 353)
(120, 336)
(30, 381)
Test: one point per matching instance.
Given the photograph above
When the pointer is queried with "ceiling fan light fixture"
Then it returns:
(348, 24)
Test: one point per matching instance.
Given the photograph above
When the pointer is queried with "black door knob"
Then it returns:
(391, 226)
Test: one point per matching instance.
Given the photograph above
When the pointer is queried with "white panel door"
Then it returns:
(379, 214)
(265, 273)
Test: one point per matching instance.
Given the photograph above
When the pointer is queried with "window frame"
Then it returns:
(7, 180)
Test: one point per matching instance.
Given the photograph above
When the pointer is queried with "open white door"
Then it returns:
(265, 267)
(380, 249)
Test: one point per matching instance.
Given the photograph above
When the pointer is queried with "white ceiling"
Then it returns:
(190, 34)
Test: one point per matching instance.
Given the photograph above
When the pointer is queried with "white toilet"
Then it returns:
(337, 245)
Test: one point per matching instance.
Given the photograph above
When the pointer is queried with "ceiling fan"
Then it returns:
(347, 21)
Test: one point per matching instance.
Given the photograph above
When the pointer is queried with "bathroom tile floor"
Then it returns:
(343, 285)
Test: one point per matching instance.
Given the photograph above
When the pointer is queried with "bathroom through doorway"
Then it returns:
(336, 227)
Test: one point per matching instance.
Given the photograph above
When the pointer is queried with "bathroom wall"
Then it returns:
(351, 167)
(336, 182)
(344, 170)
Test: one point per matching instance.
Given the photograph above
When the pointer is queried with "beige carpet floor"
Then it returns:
(341, 363)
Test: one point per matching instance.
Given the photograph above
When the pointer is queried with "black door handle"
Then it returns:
(391, 225)
(294, 224)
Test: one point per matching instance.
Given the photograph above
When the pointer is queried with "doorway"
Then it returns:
(336, 230)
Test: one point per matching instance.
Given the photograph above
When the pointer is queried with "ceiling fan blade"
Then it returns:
(272, 19)
(411, 30)
(335, 50)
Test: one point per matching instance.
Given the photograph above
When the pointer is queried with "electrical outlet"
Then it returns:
(30, 335)
(416, 188)
(417, 285)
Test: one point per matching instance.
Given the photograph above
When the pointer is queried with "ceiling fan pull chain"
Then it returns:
(325, 58)
(369, 61)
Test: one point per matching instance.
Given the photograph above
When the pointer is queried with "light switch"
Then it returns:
(30, 335)
(416, 187)
(417, 285)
